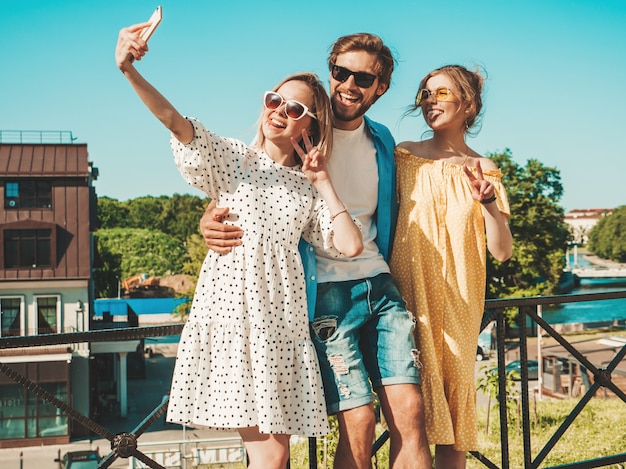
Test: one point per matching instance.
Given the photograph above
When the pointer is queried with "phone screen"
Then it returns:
(154, 20)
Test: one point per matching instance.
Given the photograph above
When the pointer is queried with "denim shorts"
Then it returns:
(363, 335)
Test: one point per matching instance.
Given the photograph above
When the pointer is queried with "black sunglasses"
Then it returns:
(361, 79)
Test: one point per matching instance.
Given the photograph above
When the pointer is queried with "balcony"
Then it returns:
(133, 437)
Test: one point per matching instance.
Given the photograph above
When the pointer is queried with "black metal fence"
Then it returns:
(125, 444)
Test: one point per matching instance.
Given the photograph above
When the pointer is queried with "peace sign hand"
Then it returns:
(313, 162)
(481, 190)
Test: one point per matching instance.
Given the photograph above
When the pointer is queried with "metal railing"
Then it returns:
(603, 378)
(125, 444)
(37, 136)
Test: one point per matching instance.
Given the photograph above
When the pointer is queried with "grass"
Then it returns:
(599, 431)
(326, 449)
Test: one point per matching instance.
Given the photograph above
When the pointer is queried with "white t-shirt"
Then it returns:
(354, 172)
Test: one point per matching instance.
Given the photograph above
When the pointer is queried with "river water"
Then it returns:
(590, 311)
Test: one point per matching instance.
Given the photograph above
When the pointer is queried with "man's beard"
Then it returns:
(347, 114)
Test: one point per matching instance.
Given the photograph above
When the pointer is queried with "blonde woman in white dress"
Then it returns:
(245, 360)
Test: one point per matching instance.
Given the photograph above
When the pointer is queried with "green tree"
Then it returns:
(177, 216)
(154, 235)
(111, 213)
(488, 384)
(539, 233)
(607, 238)
(145, 213)
(107, 271)
(181, 216)
(196, 253)
(142, 251)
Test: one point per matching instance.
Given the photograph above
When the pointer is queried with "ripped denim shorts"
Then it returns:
(363, 335)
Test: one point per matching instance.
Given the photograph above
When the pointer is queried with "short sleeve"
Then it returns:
(210, 162)
(495, 178)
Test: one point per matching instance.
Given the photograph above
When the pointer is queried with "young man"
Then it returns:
(359, 323)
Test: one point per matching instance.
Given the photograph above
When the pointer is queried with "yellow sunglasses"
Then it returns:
(441, 94)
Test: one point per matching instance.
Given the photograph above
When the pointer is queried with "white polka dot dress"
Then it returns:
(245, 356)
(439, 264)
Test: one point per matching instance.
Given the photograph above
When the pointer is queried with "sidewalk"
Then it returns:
(595, 260)
(144, 395)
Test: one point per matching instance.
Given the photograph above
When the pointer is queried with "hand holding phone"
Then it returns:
(147, 32)
(154, 21)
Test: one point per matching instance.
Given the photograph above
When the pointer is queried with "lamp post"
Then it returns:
(539, 359)
(80, 316)
(184, 455)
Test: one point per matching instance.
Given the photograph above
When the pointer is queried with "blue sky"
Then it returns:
(555, 90)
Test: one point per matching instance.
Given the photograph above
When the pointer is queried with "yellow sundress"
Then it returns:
(438, 263)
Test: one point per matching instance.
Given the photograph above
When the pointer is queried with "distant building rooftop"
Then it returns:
(45, 160)
(581, 221)
(588, 213)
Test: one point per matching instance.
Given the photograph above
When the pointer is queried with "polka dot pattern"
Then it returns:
(245, 356)
(439, 263)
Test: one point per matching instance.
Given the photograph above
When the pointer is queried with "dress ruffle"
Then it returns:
(266, 387)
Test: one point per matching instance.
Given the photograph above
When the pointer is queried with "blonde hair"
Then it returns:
(321, 131)
(470, 85)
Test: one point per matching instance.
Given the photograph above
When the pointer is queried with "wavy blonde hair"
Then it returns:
(321, 130)
(470, 85)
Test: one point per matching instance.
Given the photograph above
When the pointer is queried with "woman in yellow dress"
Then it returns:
(452, 205)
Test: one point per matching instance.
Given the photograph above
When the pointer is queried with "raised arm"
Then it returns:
(130, 45)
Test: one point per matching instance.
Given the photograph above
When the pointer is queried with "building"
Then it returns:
(581, 221)
(115, 362)
(47, 217)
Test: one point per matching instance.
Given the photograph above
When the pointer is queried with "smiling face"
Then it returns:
(276, 126)
(349, 101)
(443, 115)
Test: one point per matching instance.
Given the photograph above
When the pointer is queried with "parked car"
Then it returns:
(87, 459)
(562, 365)
(533, 369)
(485, 343)
(481, 354)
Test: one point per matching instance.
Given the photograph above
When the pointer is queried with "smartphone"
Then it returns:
(154, 20)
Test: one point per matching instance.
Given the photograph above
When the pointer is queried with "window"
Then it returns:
(12, 411)
(23, 414)
(27, 194)
(48, 420)
(47, 314)
(10, 316)
(27, 248)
